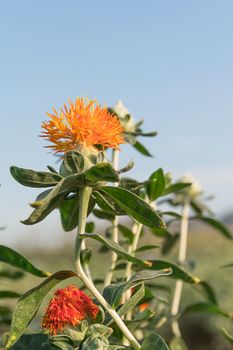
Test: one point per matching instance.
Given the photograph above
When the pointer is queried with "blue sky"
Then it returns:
(170, 62)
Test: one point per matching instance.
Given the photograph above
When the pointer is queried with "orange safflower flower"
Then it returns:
(143, 307)
(69, 307)
(82, 123)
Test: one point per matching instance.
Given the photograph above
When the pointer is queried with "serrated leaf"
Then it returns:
(29, 303)
(153, 341)
(32, 178)
(219, 226)
(102, 172)
(10, 256)
(156, 185)
(134, 206)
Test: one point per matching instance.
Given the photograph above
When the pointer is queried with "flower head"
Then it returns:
(83, 123)
(68, 308)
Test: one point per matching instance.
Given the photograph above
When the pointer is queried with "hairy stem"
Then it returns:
(181, 258)
(84, 199)
(115, 233)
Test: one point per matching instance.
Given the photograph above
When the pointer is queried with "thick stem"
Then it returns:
(115, 233)
(84, 199)
(181, 258)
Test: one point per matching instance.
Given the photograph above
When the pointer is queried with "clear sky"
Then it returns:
(170, 62)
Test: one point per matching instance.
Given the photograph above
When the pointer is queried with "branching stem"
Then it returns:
(84, 200)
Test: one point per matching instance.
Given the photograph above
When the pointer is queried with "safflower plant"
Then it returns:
(126, 312)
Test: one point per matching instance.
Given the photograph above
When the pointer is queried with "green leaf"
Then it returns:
(219, 226)
(69, 212)
(101, 214)
(227, 265)
(134, 206)
(11, 274)
(141, 149)
(90, 227)
(5, 314)
(102, 172)
(209, 292)
(107, 204)
(169, 243)
(146, 275)
(33, 342)
(54, 198)
(227, 336)
(156, 185)
(153, 341)
(117, 249)
(205, 307)
(160, 232)
(126, 232)
(177, 272)
(126, 168)
(29, 303)
(74, 161)
(147, 247)
(176, 187)
(9, 294)
(133, 301)
(113, 292)
(177, 343)
(33, 178)
(15, 259)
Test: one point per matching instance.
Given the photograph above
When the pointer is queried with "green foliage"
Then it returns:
(30, 302)
(31, 178)
(134, 206)
(76, 190)
(206, 307)
(156, 185)
(219, 226)
(153, 341)
(15, 259)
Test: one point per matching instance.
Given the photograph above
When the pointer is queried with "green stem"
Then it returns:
(84, 199)
(182, 258)
(115, 232)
